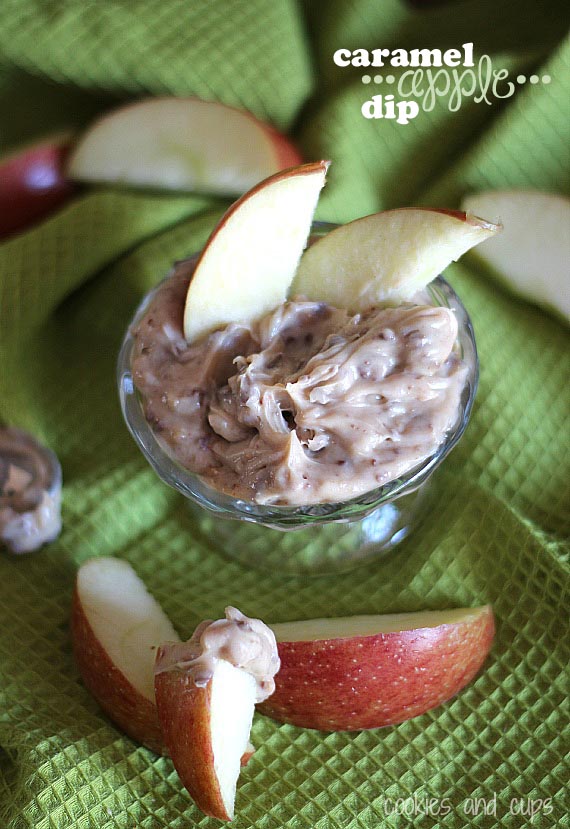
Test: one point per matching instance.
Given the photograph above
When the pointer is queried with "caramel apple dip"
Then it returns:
(309, 404)
(289, 368)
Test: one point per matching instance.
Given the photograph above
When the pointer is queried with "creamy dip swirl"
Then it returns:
(243, 642)
(30, 492)
(311, 404)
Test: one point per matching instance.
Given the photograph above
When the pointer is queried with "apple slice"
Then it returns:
(206, 728)
(33, 183)
(181, 144)
(386, 257)
(251, 257)
(116, 629)
(532, 255)
(370, 671)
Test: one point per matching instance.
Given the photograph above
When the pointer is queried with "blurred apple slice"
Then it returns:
(117, 627)
(370, 671)
(181, 144)
(33, 183)
(251, 257)
(206, 729)
(532, 255)
(386, 257)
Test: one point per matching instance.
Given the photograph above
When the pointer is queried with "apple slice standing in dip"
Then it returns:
(300, 402)
(250, 259)
(386, 257)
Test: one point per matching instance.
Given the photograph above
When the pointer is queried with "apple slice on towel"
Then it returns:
(370, 671)
(117, 627)
(181, 144)
(386, 257)
(250, 259)
(33, 183)
(206, 729)
(532, 255)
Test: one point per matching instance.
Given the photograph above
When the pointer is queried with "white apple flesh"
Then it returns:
(181, 144)
(250, 259)
(117, 627)
(532, 255)
(206, 729)
(386, 257)
(366, 672)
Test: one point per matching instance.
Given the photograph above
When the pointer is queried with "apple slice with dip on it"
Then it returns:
(250, 259)
(117, 627)
(386, 257)
(363, 672)
(181, 144)
(206, 691)
(336, 674)
(532, 256)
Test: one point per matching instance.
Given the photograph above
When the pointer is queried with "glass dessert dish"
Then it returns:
(320, 538)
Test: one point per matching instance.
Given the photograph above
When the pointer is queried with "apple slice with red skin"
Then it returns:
(181, 144)
(365, 672)
(117, 627)
(206, 729)
(386, 257)
(33, 183)
(250, 259)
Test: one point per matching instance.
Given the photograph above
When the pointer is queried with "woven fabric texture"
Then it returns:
(499, 525)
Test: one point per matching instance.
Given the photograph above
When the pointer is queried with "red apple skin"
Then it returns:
(184, 714)
(373, 681)
(457, 214)
(247, 755)
(33, 184)
(134, 714)
(286, 154)
(460, 215)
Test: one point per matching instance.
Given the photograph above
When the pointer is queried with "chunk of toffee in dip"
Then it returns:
(30, 492)
(308, 405)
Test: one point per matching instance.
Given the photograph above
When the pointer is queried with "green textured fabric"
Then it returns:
(499, 527)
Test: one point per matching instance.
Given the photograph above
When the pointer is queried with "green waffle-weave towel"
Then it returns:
(499, 528)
